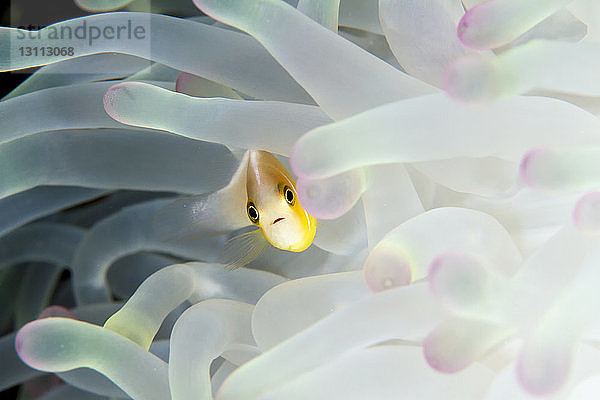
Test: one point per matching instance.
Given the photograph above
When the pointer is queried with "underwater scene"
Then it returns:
(300, 199)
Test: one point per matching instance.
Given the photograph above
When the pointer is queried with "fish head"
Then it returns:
(273, 204)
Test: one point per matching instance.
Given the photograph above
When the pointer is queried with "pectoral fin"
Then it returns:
(243, 248)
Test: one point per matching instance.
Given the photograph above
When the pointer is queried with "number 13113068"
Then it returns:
(46, 51)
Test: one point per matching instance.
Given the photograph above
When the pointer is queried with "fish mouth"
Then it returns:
(277, 220)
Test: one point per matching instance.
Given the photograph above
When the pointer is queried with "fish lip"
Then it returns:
(277, 220)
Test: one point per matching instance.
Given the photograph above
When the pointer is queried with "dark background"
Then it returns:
(17, 13)
(23, 13)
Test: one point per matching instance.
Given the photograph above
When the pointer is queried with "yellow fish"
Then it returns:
(261, 193)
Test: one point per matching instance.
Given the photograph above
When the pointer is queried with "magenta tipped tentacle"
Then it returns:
(387, 269)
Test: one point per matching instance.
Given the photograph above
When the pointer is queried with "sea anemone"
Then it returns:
(449, 150)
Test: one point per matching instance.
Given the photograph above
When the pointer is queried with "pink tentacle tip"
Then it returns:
(461, 283)
(467, 31)
(436, 358)
(471, 80)
(459, 86)
(181, 82)
(114, 93)
(464, 30)
(57, 311)
(110, 99)
(528, 164)
(21, 340)
(386, 269)
(436, 269)
(545, 371)
(462, 26)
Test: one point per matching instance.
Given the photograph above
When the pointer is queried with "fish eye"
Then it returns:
(252, 212)
(288, 194)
